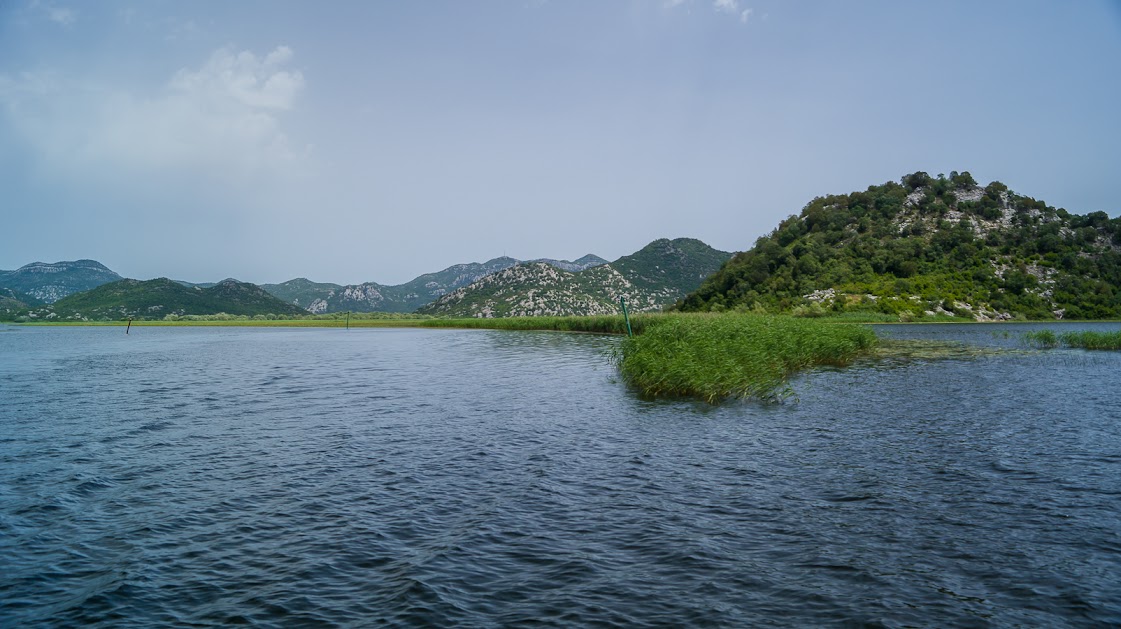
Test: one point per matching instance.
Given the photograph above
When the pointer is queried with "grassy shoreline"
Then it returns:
(707, 356)
(609, 324)
(604, 324)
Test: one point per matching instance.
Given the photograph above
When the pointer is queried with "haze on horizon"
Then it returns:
(378, 141)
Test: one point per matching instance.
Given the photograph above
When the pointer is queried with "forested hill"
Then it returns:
(927, 246)
(159, 298)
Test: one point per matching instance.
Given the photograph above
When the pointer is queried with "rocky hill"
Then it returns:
(49, 282)
(928, 246)
(158, 298)
(319, 298)
(649, 279)
(12, 302)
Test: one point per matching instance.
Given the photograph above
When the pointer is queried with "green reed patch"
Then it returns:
(1044, 339)
(734, 355)
(1083, 339)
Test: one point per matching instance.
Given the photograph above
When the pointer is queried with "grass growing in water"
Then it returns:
(1044, 339)
(746, 356)
(1085, 339)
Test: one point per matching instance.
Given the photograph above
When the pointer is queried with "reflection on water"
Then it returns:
(279, 477)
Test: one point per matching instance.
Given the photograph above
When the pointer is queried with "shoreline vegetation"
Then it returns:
(707, 356)
(703, 355)
(1081, 339)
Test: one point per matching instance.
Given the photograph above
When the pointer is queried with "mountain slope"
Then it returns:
(12, 302)
(302, 292)
(49, 282)
(649, 279)
(155, 299)
(925, 246)
(371, 296)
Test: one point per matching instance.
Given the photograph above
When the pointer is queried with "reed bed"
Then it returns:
(739, 355)
(1083, 339)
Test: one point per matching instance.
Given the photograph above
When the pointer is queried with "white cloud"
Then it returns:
(253, 82)
(220, 123)
(732, 7)
(669, 4)
(726, 6)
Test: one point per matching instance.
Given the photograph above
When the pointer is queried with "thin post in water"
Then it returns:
(626, 317)
(348, 319)
(129, 326)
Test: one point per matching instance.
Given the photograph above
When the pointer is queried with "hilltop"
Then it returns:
(649, 279)
(927, 246)
(318, 298)
(48, 282)
(159, 298)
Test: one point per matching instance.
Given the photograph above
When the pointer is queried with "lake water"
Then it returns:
(303, 477)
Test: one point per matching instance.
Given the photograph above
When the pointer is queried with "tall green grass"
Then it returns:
(734, 355)
(1084, 339)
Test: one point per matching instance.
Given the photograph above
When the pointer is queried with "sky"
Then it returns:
(375, 141)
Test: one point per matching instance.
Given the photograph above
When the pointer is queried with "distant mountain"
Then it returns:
(319, 297)
(194, 284)
(928, 246)
(50, 282)
(575, 266)
(155, 299)
(650, 279)
(302, 292)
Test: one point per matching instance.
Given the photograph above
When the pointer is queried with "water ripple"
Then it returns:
(475, 478)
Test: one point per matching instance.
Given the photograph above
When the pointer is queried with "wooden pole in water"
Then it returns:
(348, 319)
(627, 317)
(129, 327)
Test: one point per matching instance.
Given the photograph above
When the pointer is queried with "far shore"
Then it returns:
(506, 323)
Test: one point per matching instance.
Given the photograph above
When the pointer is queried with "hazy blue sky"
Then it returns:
(374, 141)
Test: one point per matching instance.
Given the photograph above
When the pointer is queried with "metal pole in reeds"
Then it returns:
(626, 317)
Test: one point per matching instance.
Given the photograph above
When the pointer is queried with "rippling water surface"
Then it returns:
(179, 476)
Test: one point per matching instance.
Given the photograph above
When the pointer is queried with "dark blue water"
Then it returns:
(194, 476)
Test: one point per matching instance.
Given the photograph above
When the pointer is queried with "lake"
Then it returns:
(327, 477)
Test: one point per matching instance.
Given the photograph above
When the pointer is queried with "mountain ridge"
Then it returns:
(158, 298)
(649, 279)
(48, 282)
(325, 297)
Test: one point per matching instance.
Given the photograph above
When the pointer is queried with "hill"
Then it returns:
(158, 298)
(304, 293)
(649, 279)
(12, 302)
(320, 298)
(927, 246)
(49, 282)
